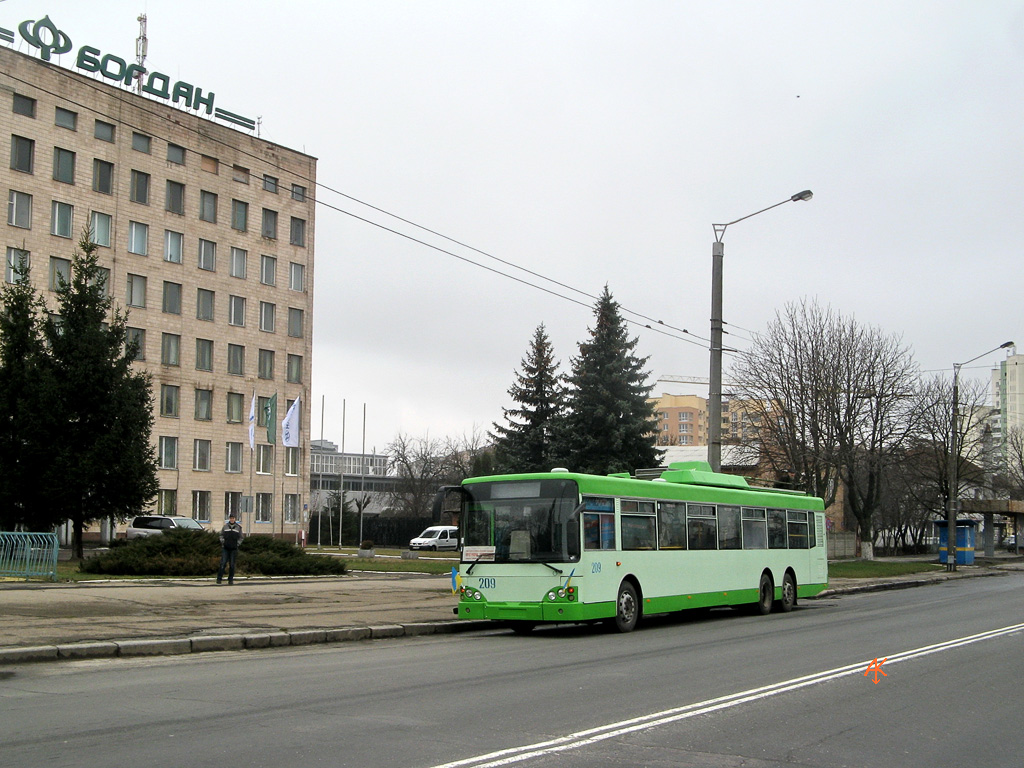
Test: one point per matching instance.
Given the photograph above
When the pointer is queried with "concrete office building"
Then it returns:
(207, 234)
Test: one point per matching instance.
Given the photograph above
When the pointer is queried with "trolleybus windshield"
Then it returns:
(532, 521)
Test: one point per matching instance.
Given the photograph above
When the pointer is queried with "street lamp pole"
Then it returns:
(952, 506)
(715, 379)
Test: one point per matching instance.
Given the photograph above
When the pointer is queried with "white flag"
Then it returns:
(290, 426)
(252, 423)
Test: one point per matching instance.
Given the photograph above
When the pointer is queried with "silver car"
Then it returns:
(149, 525)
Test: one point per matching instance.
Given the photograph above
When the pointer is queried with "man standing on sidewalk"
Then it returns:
(230, 538)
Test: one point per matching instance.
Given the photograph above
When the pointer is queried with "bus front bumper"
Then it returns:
(536, 612)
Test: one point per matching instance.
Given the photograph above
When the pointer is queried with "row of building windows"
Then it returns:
(136, 295)
(683, 415)
(170, 355)
(233, 453)
(202, 505)
(171, 304)
(19, 204)
(170, 405)
(19, 211)
(104, 131)
(685, 427)
(337, 464)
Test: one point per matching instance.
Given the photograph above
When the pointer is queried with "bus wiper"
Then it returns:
(469, 571)
(556, 570)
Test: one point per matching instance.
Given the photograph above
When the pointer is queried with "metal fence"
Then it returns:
(25, 555)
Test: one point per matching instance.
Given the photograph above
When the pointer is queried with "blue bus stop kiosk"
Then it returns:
(966, 530)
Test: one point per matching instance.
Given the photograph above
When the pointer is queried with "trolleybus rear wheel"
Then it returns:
(788, 593)
(765, 595)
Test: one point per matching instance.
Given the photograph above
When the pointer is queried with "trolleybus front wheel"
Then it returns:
(627, 608)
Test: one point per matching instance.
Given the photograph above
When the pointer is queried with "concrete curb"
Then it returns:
(164, 646)
(881, 586)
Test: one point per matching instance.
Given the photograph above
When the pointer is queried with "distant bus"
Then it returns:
(567, 547)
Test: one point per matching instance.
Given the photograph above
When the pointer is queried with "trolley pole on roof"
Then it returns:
(715, 382)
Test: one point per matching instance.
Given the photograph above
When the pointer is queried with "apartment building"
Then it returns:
(1008, 393)
(681, 419)
(206, 233)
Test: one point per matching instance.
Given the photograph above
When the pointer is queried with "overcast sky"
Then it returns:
(596, 143)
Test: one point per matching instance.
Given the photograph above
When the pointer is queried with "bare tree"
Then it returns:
(421, 465)
(1013, 446)
(781, 381)
(875, 418)
(835, 401)
(931, 446)
(468, 455)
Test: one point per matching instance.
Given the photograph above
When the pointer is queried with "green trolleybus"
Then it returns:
(566, 547)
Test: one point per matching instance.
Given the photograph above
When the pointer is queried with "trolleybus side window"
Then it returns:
(777, 529)
(598, 523)
(755, 533)
(701, 526)
(638, 525)
(797, 527)
(729, 528)
(671, 525)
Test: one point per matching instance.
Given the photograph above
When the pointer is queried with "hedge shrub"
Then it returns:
(197, 553)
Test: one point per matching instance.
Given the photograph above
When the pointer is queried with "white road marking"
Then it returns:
(657, 719)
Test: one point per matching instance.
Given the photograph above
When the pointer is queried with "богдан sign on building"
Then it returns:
(44, 35)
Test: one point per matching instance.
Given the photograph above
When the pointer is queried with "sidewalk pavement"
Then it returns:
(46, 622)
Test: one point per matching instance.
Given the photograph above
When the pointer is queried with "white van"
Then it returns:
(437, 537)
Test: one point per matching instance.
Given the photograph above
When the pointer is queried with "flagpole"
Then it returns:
(252, 458)
(272, 425)
(341, 478)
(291, 438)
(362, 478)
(270, 417)
(299, 514)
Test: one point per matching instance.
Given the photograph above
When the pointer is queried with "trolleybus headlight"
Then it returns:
(561, 593)
(477, 596)
(551, 596)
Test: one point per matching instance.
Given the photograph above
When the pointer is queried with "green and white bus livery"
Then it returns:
(568, 547)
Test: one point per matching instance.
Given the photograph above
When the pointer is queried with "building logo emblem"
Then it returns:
(45, 36)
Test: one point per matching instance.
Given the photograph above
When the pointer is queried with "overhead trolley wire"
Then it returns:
(652, 324)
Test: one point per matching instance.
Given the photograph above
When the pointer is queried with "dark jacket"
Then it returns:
(231, 535)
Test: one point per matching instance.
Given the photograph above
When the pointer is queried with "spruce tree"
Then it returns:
(23, 455)
(608, 425)
(524, 442)
(103, 465)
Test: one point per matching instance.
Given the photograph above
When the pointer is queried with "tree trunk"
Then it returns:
(76, 537)
(867, 541)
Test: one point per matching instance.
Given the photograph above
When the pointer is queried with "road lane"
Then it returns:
(872, 668)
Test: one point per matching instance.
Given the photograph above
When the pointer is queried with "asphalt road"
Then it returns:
(719, 689)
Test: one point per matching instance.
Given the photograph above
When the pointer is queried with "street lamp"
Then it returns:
(715, 379)
(954, 463)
